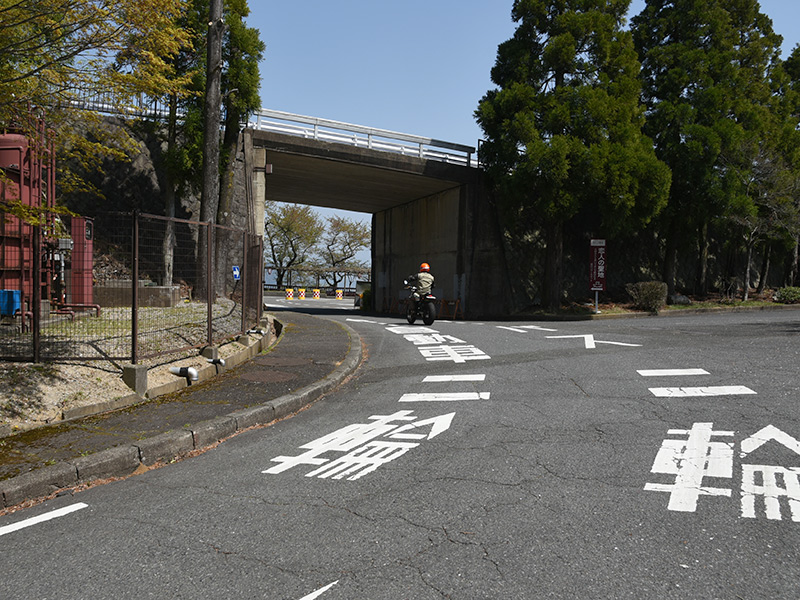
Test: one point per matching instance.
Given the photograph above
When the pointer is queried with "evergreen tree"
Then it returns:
(564, 126)
(706, 67)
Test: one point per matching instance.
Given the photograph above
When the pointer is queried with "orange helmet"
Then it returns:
(425, 267)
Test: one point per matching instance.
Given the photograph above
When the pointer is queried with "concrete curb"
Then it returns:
(122, 461)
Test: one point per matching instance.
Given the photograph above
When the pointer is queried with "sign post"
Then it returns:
(597, 270)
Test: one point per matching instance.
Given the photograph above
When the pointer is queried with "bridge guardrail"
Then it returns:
(363, 137)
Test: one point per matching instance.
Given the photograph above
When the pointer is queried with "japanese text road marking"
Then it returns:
(364, 452)
(697, 457)
(690, 461)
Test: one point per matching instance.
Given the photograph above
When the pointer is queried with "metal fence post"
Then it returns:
(135, 292)
(245, 279)
(36, 284)
(210, 285)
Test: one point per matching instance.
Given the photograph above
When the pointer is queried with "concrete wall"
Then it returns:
(456, 233)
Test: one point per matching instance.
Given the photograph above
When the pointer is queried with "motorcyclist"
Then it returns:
(423, 279)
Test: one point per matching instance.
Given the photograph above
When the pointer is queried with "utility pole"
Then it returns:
(211, 125)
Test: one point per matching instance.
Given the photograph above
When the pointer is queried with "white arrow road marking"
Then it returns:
(671, 372)
(768, 433)
(450, 378)
(42, 518)
(444, 397)
(684, 392)
(319, 592)
(589, 340)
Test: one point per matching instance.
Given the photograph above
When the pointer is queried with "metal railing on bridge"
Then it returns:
(303, 126)
(362, 137)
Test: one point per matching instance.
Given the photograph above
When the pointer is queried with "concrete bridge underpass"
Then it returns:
(426, 197)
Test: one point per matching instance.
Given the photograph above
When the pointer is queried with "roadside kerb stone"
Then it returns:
(212, 431)
(251, 417)
(41, 482)
(165, 446)
(114, 462)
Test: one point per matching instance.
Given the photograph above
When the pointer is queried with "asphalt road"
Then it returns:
(631, 458)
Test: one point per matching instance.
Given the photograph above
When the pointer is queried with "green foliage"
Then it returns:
(563, 128)
(292, 232)
(343, 240)
(788, 295)
(648, 295)
(706, 68)
(54, 50)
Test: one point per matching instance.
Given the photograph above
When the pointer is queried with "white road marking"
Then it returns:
(42, 518)
(766, 434)
(449, 378)
(319, 592)
(444, 397)
(524, 328)
(589, 341)
(671, 372)
(365, 321)
(685, 392)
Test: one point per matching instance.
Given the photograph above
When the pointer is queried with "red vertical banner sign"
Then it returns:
(597, 265)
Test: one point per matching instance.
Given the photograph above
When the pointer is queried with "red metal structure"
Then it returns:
(27, 177)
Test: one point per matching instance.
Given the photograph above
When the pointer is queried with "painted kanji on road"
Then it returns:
(365, 452)
(434, 346)
(702, 452)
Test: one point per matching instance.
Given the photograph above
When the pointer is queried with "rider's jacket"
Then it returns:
(424, 282)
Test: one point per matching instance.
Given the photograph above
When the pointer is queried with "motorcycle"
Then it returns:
(420, 305)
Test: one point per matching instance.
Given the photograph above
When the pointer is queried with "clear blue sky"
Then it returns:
(411, 66)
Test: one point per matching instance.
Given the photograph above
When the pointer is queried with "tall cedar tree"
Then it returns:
(705, 66)
(789, 92)
(564, 128)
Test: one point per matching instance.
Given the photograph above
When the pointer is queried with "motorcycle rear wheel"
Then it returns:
(429, 313)
(411, 314)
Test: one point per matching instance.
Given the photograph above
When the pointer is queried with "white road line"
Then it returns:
(319, 592)
(449, 378)
(524, 328)
(685, 392)
(671, 372)
(42, 518)
(445, 397)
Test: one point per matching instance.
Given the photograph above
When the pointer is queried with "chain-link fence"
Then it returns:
(127, 287)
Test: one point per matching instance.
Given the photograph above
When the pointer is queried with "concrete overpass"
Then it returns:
(426, 197)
